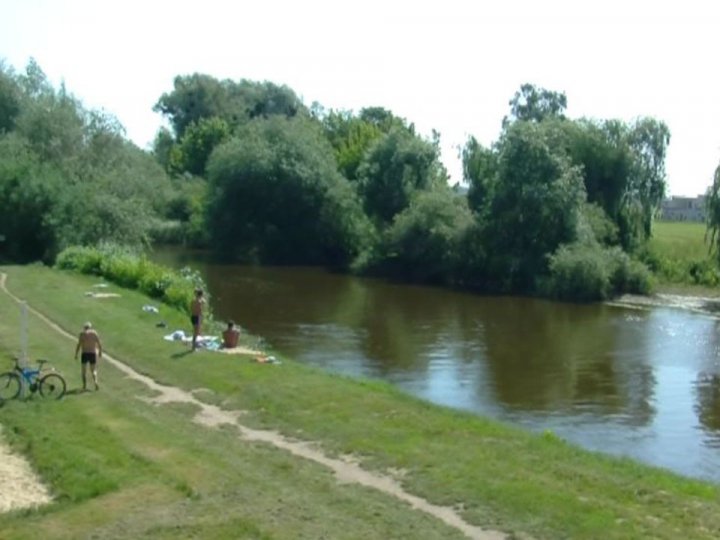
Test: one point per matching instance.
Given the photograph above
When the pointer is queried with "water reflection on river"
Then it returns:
(643, 383)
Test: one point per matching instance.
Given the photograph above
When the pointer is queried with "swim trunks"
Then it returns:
(195, 319)
(88, 358)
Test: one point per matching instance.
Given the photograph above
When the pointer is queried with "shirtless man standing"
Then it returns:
(89, 343)
(196, 313)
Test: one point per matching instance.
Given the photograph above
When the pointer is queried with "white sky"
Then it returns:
(451, 65)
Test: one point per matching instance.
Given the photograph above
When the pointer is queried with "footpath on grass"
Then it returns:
(213, 416)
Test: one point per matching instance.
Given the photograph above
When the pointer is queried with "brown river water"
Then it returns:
(638, 379)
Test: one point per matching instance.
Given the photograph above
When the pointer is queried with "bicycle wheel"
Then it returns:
(52, 386)
(9, 386)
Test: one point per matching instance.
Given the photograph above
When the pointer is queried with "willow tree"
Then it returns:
(712, 215)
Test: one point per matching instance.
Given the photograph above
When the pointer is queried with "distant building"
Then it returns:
(683, 209)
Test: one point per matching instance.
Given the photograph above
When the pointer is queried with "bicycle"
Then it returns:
(47, 381)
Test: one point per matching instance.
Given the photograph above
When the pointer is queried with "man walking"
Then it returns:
(91, 347)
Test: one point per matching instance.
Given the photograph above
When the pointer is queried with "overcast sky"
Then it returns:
(449, 65)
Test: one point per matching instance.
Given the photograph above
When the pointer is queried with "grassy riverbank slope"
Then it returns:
(122, 467)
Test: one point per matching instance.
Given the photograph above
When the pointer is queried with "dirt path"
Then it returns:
(344, 470)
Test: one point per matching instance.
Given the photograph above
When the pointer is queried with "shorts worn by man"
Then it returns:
(91, 347)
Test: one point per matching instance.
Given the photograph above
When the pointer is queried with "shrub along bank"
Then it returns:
(127, 268)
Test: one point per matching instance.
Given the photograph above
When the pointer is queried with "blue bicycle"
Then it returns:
(45, 380)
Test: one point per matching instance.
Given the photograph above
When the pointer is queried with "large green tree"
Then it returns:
(422, 244)
(275, 196)
(68, 175)
(197, 143)
(393, 169)
(199, 96)
(648, 139)
(480, 166)
(28, 192)
(352, 135)
(533, 104)
(204, 111)
(533, 209)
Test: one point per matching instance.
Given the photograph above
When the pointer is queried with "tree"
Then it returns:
(196, 97)
(649, 139)
(67, 174)
(622, 168)
(422, 243)
(28, 190)
(54, 125)
(265, 99)
(10, 95)
(163, 146)
(275, 196)
(532, 104)
(480, 166)
(197, 143)
(351, 136)
(393, 169)
(200, 96)
(384, 119)
(712, 212)
(114, 192)
(533, 209)
(601, 149)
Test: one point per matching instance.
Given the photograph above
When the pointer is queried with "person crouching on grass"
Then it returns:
(91, 347)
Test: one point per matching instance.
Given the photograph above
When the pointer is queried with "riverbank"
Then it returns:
(128, 467)
(702, 299)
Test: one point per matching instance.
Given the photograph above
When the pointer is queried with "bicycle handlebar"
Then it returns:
(40, 362)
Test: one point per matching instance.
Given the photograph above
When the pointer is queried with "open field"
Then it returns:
(121, 463)
(679, 255)
(680, 239)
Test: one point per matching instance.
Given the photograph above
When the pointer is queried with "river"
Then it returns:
(636, 381)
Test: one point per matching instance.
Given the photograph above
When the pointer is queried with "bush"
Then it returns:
(422, 242)
(132, 270)
(586, 272)
(682, 269)
(629, 276)
(579, 273)
(83, 259)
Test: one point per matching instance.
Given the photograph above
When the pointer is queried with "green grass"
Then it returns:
(680, 239)
(122, 468)
(679, 256)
